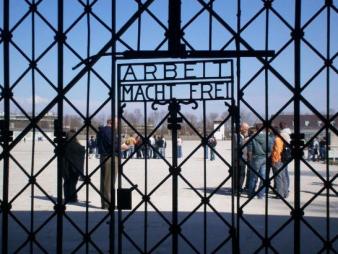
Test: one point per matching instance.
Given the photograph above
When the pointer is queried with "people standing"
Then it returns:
(315, 150)
(151, 147)
(107, 153)
(73, 164)
(277, 164)
(91, 146)
(285, 134)
(310, 151)
(212, 143)
(257, 152)
(162, 144)
(251, 132)
(179, 147)
(322, 148)
(131, 141)
(239, 173)
(157, 147)
(138, 147)
(144, 149)
(271, 140)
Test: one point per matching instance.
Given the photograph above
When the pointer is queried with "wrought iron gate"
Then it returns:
(50, 47)
(174, 98)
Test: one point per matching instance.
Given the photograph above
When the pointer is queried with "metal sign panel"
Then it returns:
(183, 80)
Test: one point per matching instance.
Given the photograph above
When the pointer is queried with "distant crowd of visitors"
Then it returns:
(264, 152)
(317, 150)
(156, 149)
(138, 150)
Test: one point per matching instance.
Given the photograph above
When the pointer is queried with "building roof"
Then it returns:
(307, 121)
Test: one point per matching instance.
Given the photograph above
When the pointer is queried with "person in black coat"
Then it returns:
(73, 163)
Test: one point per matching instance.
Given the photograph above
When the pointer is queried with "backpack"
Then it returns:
(286, 155)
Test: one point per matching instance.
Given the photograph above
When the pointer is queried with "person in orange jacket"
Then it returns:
(277, 163)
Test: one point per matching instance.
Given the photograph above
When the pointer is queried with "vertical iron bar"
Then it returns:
(87, 127)
(210, 27)
(235, 121)
(205, 231)
(34, 129)
(173, 109)
(139, 29)
(112, 234)
(120, 167)
(6, 91)
(145, 245)
(267, 167)
(205, 152)
(59, 232)
(174, 29)
(296, 147)
(328, 44)
(205, 134)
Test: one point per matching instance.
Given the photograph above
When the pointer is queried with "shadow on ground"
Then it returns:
(199, 233)
(79, 203)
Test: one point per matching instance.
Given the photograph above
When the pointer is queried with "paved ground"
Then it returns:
(189, 197)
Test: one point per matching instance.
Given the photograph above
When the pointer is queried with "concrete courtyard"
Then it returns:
(204, 230)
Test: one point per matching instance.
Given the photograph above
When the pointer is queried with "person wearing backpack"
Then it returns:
(258, 148)
(277, 163)
(285, 134)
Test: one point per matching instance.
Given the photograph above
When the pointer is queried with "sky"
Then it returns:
(152, 34)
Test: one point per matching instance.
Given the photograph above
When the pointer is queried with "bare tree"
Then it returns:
(248, 117)
(209, 121)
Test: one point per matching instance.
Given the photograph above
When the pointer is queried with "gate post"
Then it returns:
(60, 136)
(5, 132)
(174, 29)
(297, 212)
(173, 125)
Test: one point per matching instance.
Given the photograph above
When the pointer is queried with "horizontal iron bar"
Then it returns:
(173, 61)
(180, 100)
(146, 82)
(198, 54)
(151, 54)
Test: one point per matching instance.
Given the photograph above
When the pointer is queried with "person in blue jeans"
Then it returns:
(179, 147)
(212, 143)
(258, 149)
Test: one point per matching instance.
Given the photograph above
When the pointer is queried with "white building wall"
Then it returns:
(219, 134)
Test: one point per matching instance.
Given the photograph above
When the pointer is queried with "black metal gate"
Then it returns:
(174, 98)
(63, 49)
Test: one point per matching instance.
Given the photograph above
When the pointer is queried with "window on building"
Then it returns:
(307, 123)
